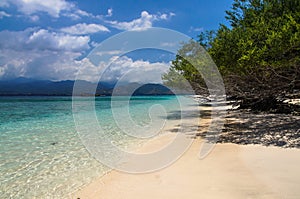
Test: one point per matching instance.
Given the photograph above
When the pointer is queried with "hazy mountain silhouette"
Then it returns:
(27, 86)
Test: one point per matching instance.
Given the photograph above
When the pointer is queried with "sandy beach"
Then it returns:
(229, 171)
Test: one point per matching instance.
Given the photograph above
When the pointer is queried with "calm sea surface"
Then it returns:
(41, 155)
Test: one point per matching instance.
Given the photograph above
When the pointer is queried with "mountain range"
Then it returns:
(30, 87)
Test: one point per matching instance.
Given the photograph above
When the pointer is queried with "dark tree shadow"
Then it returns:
(242, 127)
(245, 127)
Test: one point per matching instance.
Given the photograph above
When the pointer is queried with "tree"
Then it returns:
(258, 55)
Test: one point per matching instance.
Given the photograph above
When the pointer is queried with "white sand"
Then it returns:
(229, 171)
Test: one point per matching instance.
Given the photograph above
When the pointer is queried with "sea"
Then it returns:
(41, 153)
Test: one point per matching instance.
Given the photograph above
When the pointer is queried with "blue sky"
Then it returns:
(50, 39)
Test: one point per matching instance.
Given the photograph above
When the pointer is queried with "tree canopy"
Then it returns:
(258, 54)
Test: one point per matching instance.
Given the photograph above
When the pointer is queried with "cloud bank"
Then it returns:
(42, 54)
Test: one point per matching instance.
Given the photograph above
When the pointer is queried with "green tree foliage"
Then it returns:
(193, 66)
(259, 54)
(263, 33)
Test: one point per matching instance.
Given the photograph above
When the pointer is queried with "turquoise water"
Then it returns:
(41, 155)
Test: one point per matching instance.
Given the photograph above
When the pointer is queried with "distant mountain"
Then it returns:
(26, 86)
(152, 89)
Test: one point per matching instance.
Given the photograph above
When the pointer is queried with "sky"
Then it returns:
(52, 39)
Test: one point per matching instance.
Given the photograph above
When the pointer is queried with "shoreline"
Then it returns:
(229, 171)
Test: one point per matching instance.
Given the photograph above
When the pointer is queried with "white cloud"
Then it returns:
(127, 70)
(76, 14)
(163, 16)
(53, 7)
(82, 13)
(73, 16)
(144, 22)
(38, 64)
(196, 29)
(83, 28)
(88, 71)
(109, 12)
(39, 53)
(4, 14)
(112, 52)
(41, 39)
(58, 41)
(166, 16)
(122, 69)
(62, 65)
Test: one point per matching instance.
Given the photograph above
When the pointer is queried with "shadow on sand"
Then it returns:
(244, 127)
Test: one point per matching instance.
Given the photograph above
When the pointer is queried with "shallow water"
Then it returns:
(41, 155)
